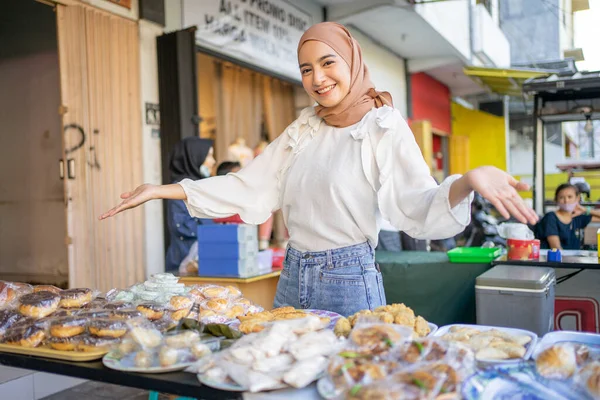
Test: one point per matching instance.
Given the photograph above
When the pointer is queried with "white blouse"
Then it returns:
(331, 183)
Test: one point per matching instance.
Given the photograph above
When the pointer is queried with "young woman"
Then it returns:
(330, 172)
(192, 158)
(561, 229)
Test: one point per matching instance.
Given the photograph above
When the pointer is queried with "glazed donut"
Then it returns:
(181, 302)
(93, 343)
(68, 327)
(46, 288)
(75, 298)
(126, 314)
(39, 305)
(65, 343)
(152, 311)
(30, 336)
(113, 328)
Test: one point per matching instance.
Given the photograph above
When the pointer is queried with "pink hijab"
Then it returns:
(362, 96)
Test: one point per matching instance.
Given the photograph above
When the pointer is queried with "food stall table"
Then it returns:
(441, 291)
(178, 383)
(259, 289)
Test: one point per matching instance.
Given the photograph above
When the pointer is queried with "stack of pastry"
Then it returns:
(571, 361)
(398, 314)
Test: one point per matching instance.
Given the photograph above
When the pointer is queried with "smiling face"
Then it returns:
(325, 75)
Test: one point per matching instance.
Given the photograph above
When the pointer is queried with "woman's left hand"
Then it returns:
(500, 189)
(579, 210)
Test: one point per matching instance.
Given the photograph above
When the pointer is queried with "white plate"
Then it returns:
(232, 387)
(433, 328)
(112, 362)
(517, 382)
(550, 338)
(511, 331)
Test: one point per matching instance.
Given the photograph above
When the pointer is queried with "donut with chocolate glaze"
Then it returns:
(68, 326)
(38, 305)
(97, 303)
(113, 328)
(75, 298)
(10, 318)
(126, 314)
(65, 343)
(118, 305)
(46, 288)
(93, 343)
(152, 311)
(30, 336)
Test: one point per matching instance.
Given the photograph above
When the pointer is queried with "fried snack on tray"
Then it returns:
(255, 322)
(398, 314)
(491, 344)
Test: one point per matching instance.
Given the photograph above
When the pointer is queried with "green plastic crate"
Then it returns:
(476, 255)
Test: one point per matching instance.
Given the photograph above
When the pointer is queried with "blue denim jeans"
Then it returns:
(344, 280)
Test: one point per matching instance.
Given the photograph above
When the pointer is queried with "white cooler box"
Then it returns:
(516, 297)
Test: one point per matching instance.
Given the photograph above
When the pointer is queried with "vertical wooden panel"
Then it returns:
(459, 154)
(73, 77)
(424, 137)
(100, 85)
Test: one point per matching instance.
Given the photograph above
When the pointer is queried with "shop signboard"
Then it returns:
(263, 33)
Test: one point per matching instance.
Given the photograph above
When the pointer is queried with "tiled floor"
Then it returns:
(101, 391)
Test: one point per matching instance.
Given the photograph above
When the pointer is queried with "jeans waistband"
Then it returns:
(342, 253)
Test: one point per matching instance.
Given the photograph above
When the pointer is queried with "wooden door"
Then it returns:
(459, 154)
(100, 96)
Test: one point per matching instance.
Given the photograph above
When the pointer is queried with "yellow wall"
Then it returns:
(486, 133)
(554, 180)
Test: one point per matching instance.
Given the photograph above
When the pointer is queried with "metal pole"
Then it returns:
(538, 157)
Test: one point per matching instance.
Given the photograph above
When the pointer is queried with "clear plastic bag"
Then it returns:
(38, 305)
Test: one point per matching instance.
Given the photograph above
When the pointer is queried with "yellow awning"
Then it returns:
(502, 81)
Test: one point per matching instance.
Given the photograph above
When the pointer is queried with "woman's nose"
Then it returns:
(318, 78)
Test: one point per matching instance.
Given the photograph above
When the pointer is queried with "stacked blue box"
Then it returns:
(227, 250)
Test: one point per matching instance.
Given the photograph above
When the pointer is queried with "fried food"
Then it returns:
(342, 327)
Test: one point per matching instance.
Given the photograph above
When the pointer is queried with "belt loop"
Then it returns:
(329, 258)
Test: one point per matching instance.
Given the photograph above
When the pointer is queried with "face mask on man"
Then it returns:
(204, 171)
(568, 207)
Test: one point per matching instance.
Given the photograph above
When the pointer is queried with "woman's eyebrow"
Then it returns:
(320, 59)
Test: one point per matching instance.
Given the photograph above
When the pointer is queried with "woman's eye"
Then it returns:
(305, 71)
(328, 63)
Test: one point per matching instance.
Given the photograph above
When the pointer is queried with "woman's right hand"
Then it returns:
(139, 196)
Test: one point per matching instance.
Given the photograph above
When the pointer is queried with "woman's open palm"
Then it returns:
(501, 189)
(132, 199)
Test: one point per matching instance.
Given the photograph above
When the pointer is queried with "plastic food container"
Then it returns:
(474, 255)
